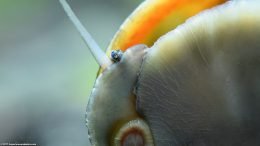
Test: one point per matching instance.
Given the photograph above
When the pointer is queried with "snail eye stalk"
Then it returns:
(116, 55)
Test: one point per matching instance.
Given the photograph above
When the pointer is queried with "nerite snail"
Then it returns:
(199, 84)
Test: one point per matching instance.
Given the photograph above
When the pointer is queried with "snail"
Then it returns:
(196, 81)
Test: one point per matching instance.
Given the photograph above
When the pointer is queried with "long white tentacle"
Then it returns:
(96, 51)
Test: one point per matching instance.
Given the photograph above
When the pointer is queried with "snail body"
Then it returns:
(198, 84)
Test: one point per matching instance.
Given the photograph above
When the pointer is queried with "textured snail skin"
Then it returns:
(112, 102)
(200, 83)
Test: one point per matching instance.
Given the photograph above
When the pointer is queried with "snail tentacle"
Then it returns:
(96, 51)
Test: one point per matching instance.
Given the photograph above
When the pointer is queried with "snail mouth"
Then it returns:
(133, 137)
(134, 133)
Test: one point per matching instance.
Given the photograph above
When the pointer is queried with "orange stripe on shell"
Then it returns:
(154, 18)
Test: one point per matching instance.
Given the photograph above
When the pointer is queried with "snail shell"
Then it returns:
(197, 85)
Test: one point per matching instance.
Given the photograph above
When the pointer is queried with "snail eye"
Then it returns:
(116, 55)
(134, 133)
